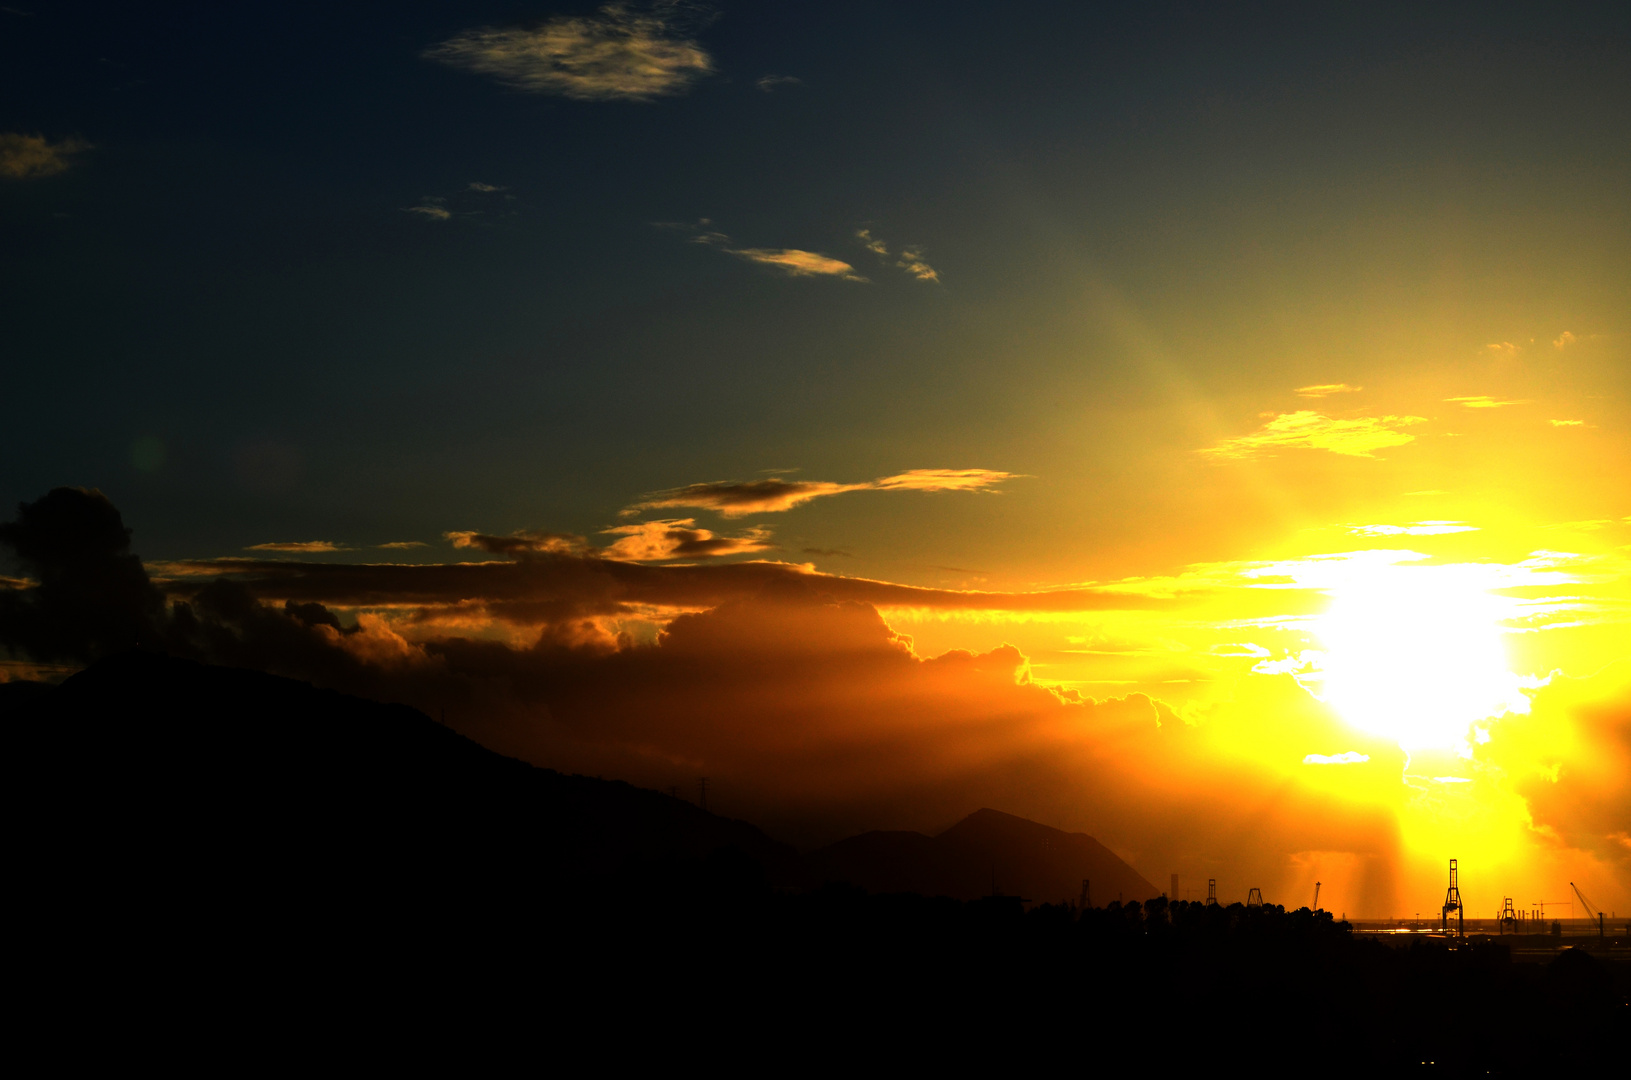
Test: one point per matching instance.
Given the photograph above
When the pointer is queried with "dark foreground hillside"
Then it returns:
(218, 868)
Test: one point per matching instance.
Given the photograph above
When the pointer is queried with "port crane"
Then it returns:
(1591, 909)
(1316, 906)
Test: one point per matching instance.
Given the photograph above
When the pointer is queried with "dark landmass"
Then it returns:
(208, 861)
(985, 853)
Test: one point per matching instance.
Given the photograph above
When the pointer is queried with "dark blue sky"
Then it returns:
(233, 271)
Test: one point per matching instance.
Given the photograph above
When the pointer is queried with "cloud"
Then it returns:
(769, 83)
(1564, 340)
(1326, 390)
(788, 688)
(1415, 528)
(1567, 423)
(1482, 401)
(1311, 431)
(679, 538)
(1349, 758)
(431, 210)
(910, 259)
(1503, 348)
(737, 498)
(618, 54)
(26, 156)
(309, 547)
(796, 262)
(486, 189)
(525, 542)
(401, 545)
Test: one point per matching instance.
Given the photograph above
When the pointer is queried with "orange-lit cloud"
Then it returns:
(1503, 348)
(737, 498)
(401, 545)
(1564, 340)
(1483, 401)
(679, 538)
(617, 54)
(311, 547)
(1567, 423)
(910, 259)
(26, 156)
(1308, 430)
(1326, 390)
(1349, 757)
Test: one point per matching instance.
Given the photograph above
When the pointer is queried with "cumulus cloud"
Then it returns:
(306, 547)
(788, 688)
(1351, 757)
(1321, 390)
(25, 156)
(1308, 430)
(1483, 401)
(910, 259)
(1415, 528)
(621, 53)
(737, 498)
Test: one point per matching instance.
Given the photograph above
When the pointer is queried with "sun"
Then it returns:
(1417, 654)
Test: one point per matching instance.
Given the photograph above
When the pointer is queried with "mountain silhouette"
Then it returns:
(163, 781)
(988, 851)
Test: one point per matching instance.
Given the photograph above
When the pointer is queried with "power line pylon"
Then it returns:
(1087, 896)
(702, 792)
(1254, 897)
(1211, 892)
(1452, 902)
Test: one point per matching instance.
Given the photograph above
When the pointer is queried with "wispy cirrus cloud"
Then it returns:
(737, 498)
(1415, 528)
(769, 83)
(300, 547)
(1320, 390)
(621, 53)
(1309, 430)
(24, 157)
(910, 259)
(794, 262)
(1484, 401)
(1352, 757)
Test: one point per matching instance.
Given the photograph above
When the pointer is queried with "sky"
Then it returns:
(1202, 428)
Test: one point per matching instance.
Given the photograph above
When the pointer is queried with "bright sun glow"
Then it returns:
(1417, 654)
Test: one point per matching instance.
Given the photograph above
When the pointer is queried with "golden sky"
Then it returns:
(1207, 430)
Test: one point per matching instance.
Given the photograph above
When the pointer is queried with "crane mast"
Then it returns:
(1591, 909)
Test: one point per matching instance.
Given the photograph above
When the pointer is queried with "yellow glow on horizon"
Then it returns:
(1417, 654)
